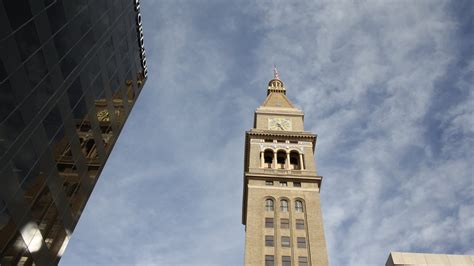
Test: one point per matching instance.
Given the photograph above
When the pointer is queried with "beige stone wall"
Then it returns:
(255, 248)
(405, 258)
(296, 121)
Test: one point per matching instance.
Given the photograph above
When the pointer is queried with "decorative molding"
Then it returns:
(285, 188)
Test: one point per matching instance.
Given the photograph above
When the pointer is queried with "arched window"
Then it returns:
(284, 205)
(295, 160)
(268, 158)
(269, 205)
(281, 159)
(299, 206)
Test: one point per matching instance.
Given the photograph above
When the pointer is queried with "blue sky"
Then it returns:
(386, 85)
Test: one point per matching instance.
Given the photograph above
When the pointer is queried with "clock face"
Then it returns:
(279, 124)
(103, 115)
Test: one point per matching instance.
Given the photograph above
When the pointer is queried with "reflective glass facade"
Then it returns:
(70, 73)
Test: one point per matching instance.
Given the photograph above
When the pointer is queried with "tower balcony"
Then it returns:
(284, 172)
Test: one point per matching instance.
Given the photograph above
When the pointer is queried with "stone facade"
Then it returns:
(405, 258)
(281, 205)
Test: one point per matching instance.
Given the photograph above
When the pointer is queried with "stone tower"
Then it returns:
(281, 202)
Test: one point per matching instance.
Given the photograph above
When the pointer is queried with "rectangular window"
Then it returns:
(299, 224)
(302, 261)
(268, 140)
(285, 260)
(297, 184)
(268, 222)
(269, 260)
(269, 183)
(285, 241)
(285, 223)
(283, 184)
(269, 241)
(301, 242)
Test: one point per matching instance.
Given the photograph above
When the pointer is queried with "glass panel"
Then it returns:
(56, 16)
(268, 222)
(7, 100)
(299, 224)
(269, 241)
(301, 242)
(286, 261)
(285, 223)
(269, 260)
(24, 160)
(75, 93)
(16, 253)
(302, 261)
(27, 40)
(52, 123)
(18, 12)
(36, 68)
(7, 226)
(9, 130)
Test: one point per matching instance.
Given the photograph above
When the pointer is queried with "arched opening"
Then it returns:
(281, 159)
(269, 205)
(298, 206)
(268, 159)
(295, 160)
(284, 205)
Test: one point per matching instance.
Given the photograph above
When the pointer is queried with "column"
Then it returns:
(274, 160)
(301, 162)
(262, 160)
(287, 166)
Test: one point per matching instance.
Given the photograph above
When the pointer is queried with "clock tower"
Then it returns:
(281, 201)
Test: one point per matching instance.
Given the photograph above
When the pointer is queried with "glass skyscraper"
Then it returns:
(70, 73)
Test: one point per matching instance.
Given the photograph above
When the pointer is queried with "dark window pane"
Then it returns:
(299, 224)
(269, 241)
(52, 123)
(49, 2)
(38, 98)
(24, 160)
(285, 241)
(65, 40)
(56, 16)
(36, 68)
(80, 112)
(98, 88)
(27, 40)
(9, 130)
(269, 222)
(302, 261)
(286, 261)
(269, 260)
(75, 92)
(67, 65)
(18, 12)
(7, 100)
(285, 223)
(3, 72)
(301, 241)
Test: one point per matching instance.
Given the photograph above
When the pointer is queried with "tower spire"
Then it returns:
(275, 72)
(275, 85)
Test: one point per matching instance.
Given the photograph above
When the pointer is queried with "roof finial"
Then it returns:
(275, 72)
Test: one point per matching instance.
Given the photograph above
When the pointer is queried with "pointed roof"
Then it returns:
(276, 93)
